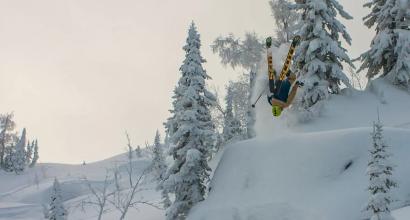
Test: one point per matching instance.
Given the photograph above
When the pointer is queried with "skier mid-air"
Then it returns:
(283, 89)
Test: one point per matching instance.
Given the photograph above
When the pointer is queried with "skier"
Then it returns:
(281, 97)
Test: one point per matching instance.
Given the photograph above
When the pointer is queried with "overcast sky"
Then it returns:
(78, 73)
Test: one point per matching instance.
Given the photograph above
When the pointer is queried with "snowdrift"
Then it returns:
(315, 170)
(318, 175)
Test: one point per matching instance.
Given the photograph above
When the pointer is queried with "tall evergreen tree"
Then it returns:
(286, 20)
(389, 52)
(320, 55)
(191, 132)
(8, 159)
(232, 126)
(19, 155)
(16, 153)
(138, 151)
(57, 210)
(240, 106)
(159, 169)
(29, 152)
(379, 170)
(158, 166)
(7, 136)
(247, 54)
(35, 155)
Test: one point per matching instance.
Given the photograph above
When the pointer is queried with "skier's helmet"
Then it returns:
(276, 110)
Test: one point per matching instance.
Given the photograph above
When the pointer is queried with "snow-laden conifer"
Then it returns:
(158, 166)
(388, 55)
(138, 151)
(8, 137)
(379, 170)
(246, 53)
(188, 184)
(191, 132)
(29, 152)
(286, 20)
(35, 154)
(8, 159)
(19, 155)
(320, 56)
(232, 126)
(57, 210)
(240, 107)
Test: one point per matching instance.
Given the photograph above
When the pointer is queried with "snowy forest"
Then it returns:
(336, 147)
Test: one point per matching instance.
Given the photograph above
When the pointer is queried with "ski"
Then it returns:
(271, 70)
(286, 65)
(291, 52)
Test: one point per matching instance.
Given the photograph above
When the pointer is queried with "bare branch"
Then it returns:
(101, 196)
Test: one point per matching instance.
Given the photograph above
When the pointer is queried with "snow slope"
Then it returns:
(290, 171)
(402, 214)
(314, 170)
(21, 198)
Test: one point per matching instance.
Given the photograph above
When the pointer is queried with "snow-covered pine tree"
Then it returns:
(19, 154)
(188, 184)
(219, 142)
(400, 74)
(320, 54)
(217, 111)
(389, 50)
(232, 126)
(8, 159)
(159, 169)
(286, 20)
(138, 151)
(240, 109)
(379, 170)
(158, 166)
(166, 142)
(235, 52)
(165, 201)
(247, 54)
(240, 106)
(191, 132)
(7, 136)
(57, 210)
(35, 155)
(29, 152)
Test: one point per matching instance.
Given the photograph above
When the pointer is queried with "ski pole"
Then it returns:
(260, 95)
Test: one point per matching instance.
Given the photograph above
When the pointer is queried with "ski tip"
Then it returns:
(296, 39)
(268, 42)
